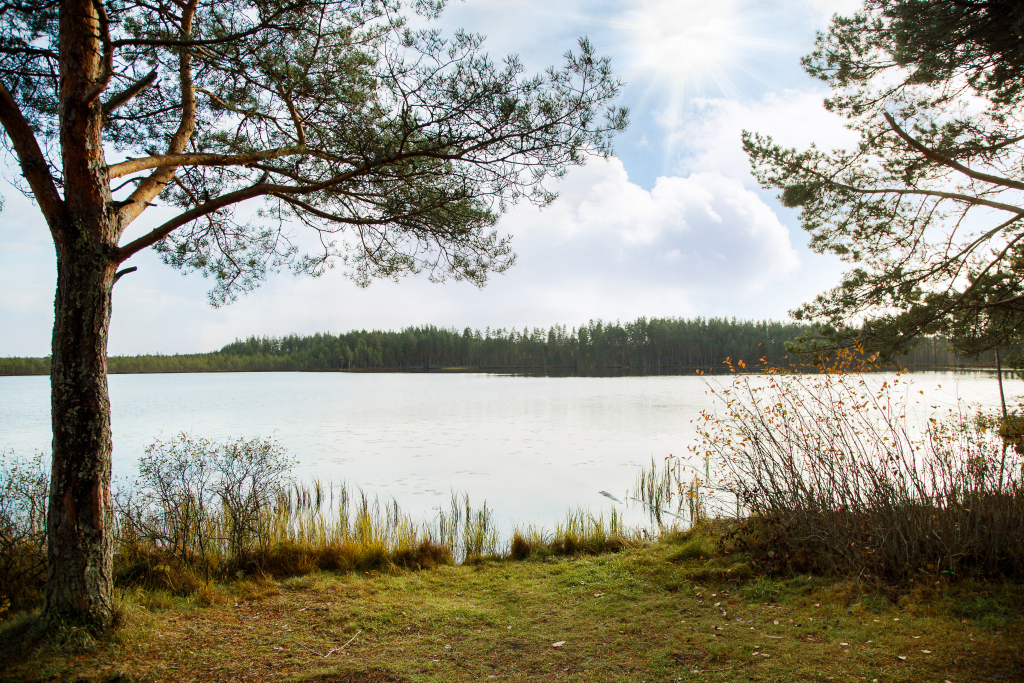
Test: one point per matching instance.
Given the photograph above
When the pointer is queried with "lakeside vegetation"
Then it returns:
(818, 472)
(839, 561)
(643, 345)
(201, 513)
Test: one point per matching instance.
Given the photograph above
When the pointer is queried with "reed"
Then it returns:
(675, 495)
(834, 477)
(579, 533)
(300, 528)
(201, 512)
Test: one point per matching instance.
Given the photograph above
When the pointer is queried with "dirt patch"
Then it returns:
(691, 657)
(512, 645)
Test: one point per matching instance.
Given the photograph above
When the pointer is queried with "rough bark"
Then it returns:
(79, 583)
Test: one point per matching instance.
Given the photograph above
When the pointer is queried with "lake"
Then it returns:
(531, 446)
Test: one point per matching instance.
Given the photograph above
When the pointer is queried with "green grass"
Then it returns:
(660, 612)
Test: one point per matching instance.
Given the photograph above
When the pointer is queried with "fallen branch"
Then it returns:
(330, 652)
(728, 668)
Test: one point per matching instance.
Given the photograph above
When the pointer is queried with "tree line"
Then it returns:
(644, 344)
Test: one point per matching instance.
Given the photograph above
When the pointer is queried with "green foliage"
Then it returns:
(25, 366)
(697, 547)
(659, 342)
(763, 589)
(927, 206)
(399, 146)
(978, 42)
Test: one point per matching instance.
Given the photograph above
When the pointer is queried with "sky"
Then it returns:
(673, 225)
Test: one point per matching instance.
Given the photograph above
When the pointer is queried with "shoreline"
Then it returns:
(532, 370)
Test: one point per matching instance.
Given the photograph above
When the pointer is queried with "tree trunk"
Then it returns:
(79, 582)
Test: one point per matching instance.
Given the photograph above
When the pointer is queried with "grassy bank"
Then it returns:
(671, 610)
(831, 540)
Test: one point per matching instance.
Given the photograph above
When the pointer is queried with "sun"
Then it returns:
(676, 49)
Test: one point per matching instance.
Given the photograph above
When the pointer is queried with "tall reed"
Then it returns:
(836, 477)
(200, 511)
(677, 494)
(220, 509)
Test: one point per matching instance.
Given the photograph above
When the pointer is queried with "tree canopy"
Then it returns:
(397, 146)
(928, 206)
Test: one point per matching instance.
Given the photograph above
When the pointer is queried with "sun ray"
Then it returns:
(674, 50)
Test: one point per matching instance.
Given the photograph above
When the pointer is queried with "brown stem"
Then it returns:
(33, 163)
(999, 371)
(128, 93)
(153, 185)
(175, 160)
(950, 163)
(103, 20)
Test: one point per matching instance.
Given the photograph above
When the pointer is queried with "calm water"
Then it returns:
(532, 447)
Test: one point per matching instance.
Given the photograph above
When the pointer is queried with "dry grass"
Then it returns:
(657, 612)
(835, 476)
(579, 533)
(202, 512)
(220, 510)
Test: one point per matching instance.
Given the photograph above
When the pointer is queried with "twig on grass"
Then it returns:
(330, 652)
(728, 668)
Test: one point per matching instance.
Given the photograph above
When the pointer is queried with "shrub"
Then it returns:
(833, 477)
(200, 501)
(24, 494)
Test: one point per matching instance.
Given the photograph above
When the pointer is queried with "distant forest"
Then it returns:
(644, 345)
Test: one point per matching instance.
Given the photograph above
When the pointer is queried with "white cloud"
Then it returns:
(826, 8)
(607, 248)
(695, 233)
(707, 134)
